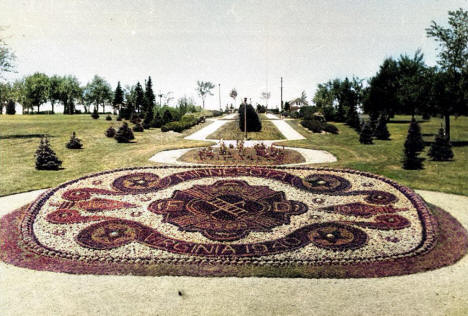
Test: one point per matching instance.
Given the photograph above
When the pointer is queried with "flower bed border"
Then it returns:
(451, 245)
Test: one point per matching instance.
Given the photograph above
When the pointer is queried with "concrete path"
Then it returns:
(285, 129)
(210, 129)
(440, 292)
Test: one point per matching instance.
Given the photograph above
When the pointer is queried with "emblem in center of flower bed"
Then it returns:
(227, 210)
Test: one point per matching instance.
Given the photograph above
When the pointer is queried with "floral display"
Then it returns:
(215, 218)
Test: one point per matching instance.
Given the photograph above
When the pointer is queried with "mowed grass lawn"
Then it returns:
(384, 157)
(20, 136)
(231, 131)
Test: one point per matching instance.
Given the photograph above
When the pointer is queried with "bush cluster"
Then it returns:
(10, 108)
(46, 158)
(253, 121)
(186, 122)
(317, 126)
(95, 114)
(124, 134)
(74, 142)
(108, 118)
(110, 132)
(216, 113)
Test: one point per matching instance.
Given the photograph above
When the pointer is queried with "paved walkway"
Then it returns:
(439, 292)
(210, 129)
(285, 129)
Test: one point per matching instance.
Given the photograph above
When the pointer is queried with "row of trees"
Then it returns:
(407, 85)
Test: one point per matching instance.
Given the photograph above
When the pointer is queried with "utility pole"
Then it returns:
(281, 109)
(219, 92)
(245, 117)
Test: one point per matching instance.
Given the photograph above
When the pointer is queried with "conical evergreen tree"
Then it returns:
(253, 121)
(365, 137)
(118, 97)
(373, 120)
(157, 121)
(352, 118)
(381, 132)
(124, 134)
(110, 132)
(414, 144)
(149, 95)
(140, 98)
(167, 117)
(46, 159)
(74, 142)
(138, 127)
(148, 118)
(441, 149)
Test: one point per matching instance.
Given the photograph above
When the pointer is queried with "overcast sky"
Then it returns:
(246, 45)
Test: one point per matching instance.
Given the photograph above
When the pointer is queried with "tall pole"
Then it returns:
(245, 117)
(281, 109)
(219, 92)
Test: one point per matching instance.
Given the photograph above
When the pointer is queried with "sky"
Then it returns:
(247, 45)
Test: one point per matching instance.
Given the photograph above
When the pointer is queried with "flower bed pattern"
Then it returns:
(228, 221)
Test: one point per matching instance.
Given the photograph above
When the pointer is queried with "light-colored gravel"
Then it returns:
(439, 292)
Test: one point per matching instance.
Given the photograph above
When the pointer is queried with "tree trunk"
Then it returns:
(103, 108)
(447, 126)
(52, 106)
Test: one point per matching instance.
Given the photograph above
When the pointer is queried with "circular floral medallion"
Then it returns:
(229, 215)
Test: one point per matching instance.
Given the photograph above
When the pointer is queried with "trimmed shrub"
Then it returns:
(414, 144)
(46, 158)
(10, 108)
(216, 113)
(74, 142)
(95, 114)
(441, 149)
(124, 134)
(313, 125)
(108, 118)
(381, 132)
(365, 137)
(148, 118)
(138, 128)
(167, 117)
(179, 126)
(329, 128)
(110, 132)
(119, 118)
(157, 122)
(253, 121)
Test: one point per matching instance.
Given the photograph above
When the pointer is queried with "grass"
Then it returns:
(20, 135)
(231, 130)
(384, 157)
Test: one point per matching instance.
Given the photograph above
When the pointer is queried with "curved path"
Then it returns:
(438, 292)
(310, 155)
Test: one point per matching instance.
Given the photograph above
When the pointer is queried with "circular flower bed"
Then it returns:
(238, 221)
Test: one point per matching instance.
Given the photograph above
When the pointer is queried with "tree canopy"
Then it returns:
(205, 88)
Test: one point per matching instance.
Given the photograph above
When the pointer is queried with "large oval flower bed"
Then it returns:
(231, 221)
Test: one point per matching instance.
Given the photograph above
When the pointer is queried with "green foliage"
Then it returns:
(7, 58)
(95, 114)
(108, 118)
(414, 145)
(253, 121)
(441, 149)
(118, 100)
(186, 122)
(37, 89)
(98, 92)
(157, 121)
(124, 134)
(10, 108)
(138, 127)
(149, 96)
(46, 159)
(307, 112)
(313, 125)
(167, 117)
(261, 108)
(204, 88)
(110, 132)
(330, 128)
(74, 142)
(381, 132)
(148, 118)
(365, 137)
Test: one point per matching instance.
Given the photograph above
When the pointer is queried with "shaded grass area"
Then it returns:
(384, 157)
(20, 135)
(231, 131)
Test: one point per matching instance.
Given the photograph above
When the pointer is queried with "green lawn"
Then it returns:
(231, 130)
(384, 157)
(20, 135)
(19, 138)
